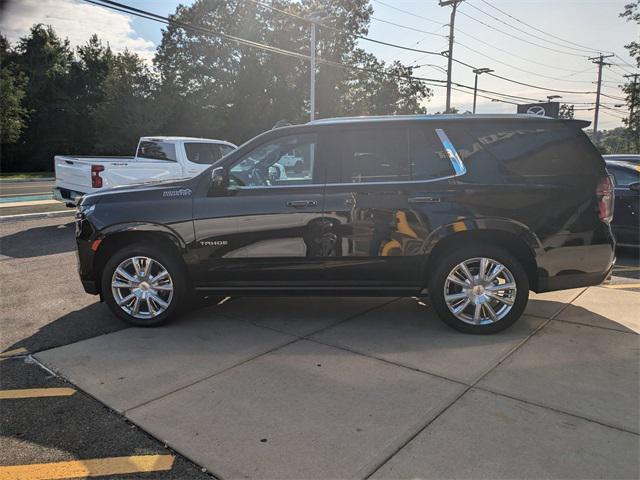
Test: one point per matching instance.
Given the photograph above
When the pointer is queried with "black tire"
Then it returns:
(445, 265)
(168, 260)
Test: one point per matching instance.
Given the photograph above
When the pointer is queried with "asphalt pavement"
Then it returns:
(28, 198)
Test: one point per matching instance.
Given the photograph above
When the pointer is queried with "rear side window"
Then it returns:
(624, 176)
(374, 155)
(206, 153)
(157, 151)
(528, 149)
(427, 157)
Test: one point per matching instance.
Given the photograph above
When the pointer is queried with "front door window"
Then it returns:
(287, 160)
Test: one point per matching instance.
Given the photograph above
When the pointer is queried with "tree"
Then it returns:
(44, 59)
(12, 112)
(216, 87)
(631, 89)
(566, 111)
(89, 70)
(127, 109)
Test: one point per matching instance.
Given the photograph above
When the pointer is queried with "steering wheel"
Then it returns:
(258, 177)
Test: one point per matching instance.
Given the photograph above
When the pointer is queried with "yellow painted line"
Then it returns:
(36, 393)
(88, 468)
(28, 204)
(623, 285)
(11, 353)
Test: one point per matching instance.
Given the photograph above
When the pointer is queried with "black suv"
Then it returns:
(472, 210)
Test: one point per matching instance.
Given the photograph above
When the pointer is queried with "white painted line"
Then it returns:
(28, 203)
(31, 216)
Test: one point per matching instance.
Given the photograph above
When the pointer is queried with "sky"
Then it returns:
(518, 52)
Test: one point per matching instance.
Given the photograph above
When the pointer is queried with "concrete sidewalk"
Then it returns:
(354, 388)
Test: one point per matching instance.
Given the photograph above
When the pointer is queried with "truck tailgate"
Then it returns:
(74, 173)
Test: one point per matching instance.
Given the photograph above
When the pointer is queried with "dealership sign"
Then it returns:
(546, 109)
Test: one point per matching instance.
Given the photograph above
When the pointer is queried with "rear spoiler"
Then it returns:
(576, 123)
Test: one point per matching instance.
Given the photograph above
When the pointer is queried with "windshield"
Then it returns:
(206, 153)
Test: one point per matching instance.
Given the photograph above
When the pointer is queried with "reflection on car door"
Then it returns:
(277, 219)
(383, 188)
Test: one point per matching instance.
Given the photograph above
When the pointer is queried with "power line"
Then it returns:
(168, 21)
(406, 27)
(521, 39)
(523, 58)
(407, 12)
(588, 50)
(329, 27)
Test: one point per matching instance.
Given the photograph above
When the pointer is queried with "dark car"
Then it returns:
(626, 212)
(623, 157)
(472, 210)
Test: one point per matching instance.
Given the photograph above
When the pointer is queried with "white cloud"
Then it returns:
(75, 20)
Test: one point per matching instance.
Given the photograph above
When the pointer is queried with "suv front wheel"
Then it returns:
(143, 285)
(479, 289)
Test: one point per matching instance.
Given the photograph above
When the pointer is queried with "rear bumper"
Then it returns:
(69, 197)
(576, 266)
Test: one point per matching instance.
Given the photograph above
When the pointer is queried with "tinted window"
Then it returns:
(157, 150)
(427, 158)
(624, 176)
(207, 153)
(526, 149)
(287, 160)
(374, 155)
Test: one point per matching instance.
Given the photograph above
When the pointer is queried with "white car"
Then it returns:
(156, 159)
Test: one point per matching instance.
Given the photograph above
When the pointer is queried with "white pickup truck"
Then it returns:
(157, 158)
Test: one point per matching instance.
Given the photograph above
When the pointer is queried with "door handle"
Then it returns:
(302, 203)
(424, 199)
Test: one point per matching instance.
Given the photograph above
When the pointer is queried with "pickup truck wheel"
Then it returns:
(143, 285)
(480, 289)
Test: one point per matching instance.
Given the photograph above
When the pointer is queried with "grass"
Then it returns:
(25, 175)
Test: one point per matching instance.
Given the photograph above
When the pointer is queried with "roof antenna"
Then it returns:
(281, 123)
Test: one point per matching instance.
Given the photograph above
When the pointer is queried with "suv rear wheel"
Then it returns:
(143, 285)
(479, 289)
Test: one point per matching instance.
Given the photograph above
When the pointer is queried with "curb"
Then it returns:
(34, 216)
(23, 180)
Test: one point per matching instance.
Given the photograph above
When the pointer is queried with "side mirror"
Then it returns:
(219, 179)
(635, 187)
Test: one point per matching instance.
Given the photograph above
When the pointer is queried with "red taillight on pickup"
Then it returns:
(96, 179)
(605, 196)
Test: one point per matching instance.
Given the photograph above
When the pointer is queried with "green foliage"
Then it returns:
(566, 111)
(12, 113)
(614, 141)
(632, 89)
(127, 110)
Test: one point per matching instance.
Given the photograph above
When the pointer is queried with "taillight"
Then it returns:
(605, 196)
(96, 179)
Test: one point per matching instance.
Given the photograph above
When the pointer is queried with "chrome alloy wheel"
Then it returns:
(142, 287)
(480, 291)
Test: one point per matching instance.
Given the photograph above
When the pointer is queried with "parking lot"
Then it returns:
(310, 387)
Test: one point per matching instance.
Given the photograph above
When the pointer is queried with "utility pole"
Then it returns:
(314, 18)
(312, 86)
(478, 71)
(452, 21)
(599, 60)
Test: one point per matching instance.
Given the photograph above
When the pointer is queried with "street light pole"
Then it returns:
(478, 71)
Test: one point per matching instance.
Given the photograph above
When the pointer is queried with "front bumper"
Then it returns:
(85, 236)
